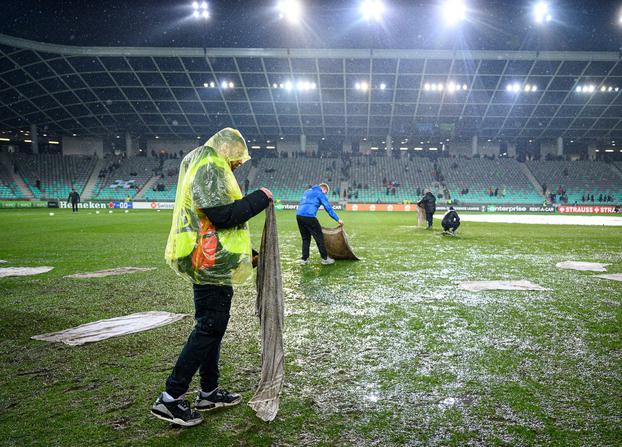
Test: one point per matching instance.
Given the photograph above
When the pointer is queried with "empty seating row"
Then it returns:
(53, 176)
(488, 181)
(579, 179)
(124, 177)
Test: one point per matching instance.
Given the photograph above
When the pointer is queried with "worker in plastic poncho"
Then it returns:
(209, 245)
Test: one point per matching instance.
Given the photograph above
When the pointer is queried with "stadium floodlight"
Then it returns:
(534, 88)
(290, 10)
(426, 86)
(542, 12)
(454, 11)
(362, 86)
(579, 89)
(372, 10)
(200, 10)
(289, 85)
(383, 86)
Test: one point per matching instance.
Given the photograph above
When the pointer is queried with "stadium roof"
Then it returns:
(350, 93)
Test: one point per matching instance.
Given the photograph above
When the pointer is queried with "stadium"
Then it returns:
(504, 331)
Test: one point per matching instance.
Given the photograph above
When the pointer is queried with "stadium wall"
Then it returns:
(172, 146)
(83, 146)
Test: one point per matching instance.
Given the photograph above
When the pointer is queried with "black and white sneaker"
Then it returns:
(216, 399)
(177, 412)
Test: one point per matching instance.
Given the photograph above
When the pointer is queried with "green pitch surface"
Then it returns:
(385, 351)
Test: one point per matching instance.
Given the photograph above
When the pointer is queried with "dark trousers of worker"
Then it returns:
(74, 207)
(429, 217)
(310, 226)
(202, 350)
(451, 226)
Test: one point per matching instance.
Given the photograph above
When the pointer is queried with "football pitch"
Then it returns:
(387, 351)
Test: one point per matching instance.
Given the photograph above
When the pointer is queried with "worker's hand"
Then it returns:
(267, 192)
(340, 223)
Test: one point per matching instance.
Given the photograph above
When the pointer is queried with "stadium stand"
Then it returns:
(287, 178)
(8, 187)
(390, 180)
(165, 188)
(483, 177)
(122, 177)
(579, 179)
(52, 176)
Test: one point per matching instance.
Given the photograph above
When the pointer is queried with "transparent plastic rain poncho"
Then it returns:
(195, 249)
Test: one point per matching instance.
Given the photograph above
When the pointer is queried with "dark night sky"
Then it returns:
(501, 25)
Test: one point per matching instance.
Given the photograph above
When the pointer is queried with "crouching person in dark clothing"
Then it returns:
(209, 245)
(428, 203)
(450, 222)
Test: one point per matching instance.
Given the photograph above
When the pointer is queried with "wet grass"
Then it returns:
(385, 351)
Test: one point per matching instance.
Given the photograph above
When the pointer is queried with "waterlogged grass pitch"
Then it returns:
(385, 351)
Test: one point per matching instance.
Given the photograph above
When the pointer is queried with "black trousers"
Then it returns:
(310, 226)
(429, 216)
(202, 350)
(449, 225)
(74, 207)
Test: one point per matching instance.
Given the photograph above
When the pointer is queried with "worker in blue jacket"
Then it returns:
(308, 223)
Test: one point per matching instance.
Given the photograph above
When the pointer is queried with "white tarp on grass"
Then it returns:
(550, 219)
(611, 276)
(23, 271)
(582, 266)
(477, 286)
(112, 327)
(110, 272)
(2, 261)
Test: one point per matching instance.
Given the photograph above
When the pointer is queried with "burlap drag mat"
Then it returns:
(337, 245)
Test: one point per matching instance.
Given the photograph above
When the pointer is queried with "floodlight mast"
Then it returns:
(200, 11)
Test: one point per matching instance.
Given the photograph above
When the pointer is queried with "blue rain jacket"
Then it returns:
(311, 201)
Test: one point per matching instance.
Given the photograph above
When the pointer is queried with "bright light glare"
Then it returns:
(542, 13)
(383, 86)
(363, 86)
(372, 10)
(200, 10)
(454, 11)
(290, 10)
